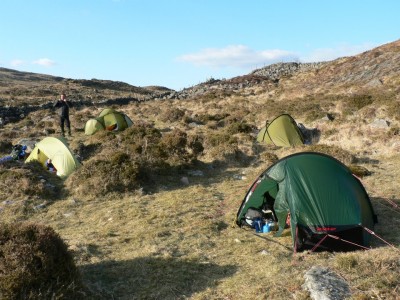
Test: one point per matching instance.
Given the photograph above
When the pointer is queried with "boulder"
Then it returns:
(323, 284)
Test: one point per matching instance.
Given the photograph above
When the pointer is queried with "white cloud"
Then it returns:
(44, 62)
(17, 62)
(326, 54)
(237, 56)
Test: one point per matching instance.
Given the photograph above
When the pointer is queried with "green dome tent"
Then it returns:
(282, 131)
(108, 119)
(321, 196)
(94, 125)
(55, 148)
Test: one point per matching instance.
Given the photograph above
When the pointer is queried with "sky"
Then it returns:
(181, 43)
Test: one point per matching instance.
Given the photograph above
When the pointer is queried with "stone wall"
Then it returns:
(279, 70)
(269, 74)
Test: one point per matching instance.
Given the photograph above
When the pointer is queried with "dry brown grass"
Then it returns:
(177, 241)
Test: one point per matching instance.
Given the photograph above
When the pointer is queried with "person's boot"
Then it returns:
(69, 132)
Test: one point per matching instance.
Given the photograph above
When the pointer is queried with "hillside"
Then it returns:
(150, 214)
(32, 88)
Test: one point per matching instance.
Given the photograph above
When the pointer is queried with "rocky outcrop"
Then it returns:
(267, 75)
(279, 70)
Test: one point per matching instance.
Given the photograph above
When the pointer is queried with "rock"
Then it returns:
(48, 118)
(196, 173)
(239, 177)
(376, 82)
(328, 117)
(50, 186)
(194, 124)
(29, 143)
(278, 70)
(380, 123)
(185, 180)
(73, 201)
(40, 206)
(396, 146)
(324, 284)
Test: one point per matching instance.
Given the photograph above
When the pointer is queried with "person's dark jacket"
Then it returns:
(63, 108)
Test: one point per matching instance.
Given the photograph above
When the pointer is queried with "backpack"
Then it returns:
(16, 150)
(252, 215)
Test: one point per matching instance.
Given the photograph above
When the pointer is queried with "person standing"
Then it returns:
(64, 105)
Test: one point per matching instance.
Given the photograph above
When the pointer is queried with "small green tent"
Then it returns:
(94, 125)
(108, 119)
(55, 148)
(321, 196)
(282, 131)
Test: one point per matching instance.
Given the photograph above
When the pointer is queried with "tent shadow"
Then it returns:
(387, 228)
(152, 278)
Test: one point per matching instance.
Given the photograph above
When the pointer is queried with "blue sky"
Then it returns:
(180, 43)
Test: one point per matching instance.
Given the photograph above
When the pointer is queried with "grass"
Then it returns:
(150, 235)
(180, 243)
